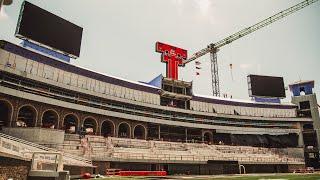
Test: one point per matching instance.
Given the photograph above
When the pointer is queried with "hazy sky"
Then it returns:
(119, 38)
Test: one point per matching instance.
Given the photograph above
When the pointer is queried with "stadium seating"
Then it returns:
(134, 149)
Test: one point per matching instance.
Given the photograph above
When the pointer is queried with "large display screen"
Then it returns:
(41, 26)
(266, 86)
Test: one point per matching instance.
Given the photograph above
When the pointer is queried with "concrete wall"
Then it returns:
(14, 168)
(295, 152)
(211, 169)
(102, 166)
(76, 170)
(266, 168)
(179, 168)
(293, 167)
(37, 135)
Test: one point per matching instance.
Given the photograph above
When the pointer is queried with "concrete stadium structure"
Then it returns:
(121, 124)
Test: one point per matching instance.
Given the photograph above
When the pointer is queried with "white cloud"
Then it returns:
(259, 68)
(178, 2)
(203, 5)
(245, 66)
(251, 68)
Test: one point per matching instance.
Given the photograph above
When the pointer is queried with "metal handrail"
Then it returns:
(45, 148)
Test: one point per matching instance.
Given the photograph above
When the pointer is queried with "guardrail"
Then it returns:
(171, 157)
(34, 145)
(120, 148)
(127, 149)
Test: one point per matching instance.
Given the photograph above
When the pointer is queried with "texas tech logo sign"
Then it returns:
(173, 57)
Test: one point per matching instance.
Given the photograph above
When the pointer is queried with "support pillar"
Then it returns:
(186, 134)
(38, 120)
(300, 137)
(99, 125)
(14, 116)
(159, 133)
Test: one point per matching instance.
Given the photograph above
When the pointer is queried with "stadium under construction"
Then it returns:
(61, 117)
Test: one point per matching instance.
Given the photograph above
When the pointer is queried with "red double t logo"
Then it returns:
(173, 57)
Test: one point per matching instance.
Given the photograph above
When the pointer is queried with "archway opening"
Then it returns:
(50, 119)
(70, 124)
(5, 114)
(139, 132)
(107, 129)
(124, 130)
(90, 126)
(26, 117)
(207, 137)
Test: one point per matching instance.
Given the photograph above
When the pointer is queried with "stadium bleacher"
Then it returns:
(133, 149)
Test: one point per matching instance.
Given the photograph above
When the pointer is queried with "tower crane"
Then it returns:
(214, 47)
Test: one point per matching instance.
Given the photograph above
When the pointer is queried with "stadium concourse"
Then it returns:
(158, 126)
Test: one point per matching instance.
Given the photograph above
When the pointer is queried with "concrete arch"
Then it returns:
(19, 122)
(138, 135)
(9, 115)
(121, 131)
(69, 126)
(56, 124)
(91, 129)
(105, 134)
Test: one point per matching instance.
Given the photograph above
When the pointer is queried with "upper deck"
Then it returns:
(61, 74)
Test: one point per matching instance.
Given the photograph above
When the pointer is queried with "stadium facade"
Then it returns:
(161, 125)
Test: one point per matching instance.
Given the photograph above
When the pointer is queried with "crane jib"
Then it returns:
(250, 29)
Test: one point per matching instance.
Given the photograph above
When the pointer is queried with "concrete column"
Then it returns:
(318, 137)
(315, 116)
(300, 139)
(146, 132)
(314, 111)
(62, 114)
(300, 136)
(99, 124)
(60, 163)
(159, 132)
(14, 116)
(38, 120)
(117, 128)
(186, 134)
(202, 135)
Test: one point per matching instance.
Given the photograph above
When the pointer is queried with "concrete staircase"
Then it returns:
(22, 149)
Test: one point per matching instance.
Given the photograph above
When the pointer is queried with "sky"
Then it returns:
(119, 38)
